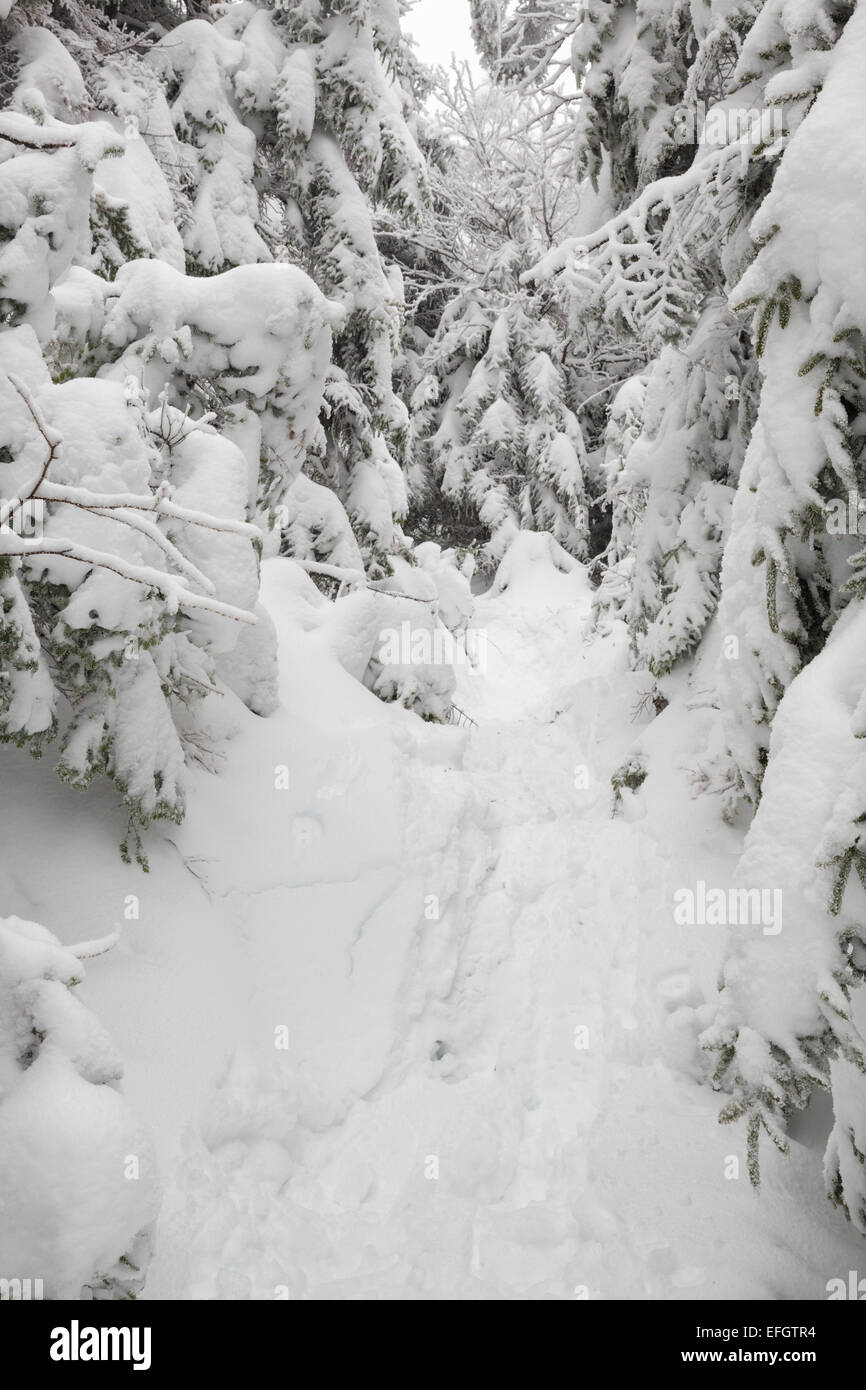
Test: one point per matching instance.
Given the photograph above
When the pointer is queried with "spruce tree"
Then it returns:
(499, 446)
(750, 214)
(674, 456)
(792, 601)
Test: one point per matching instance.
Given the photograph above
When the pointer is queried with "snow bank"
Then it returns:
(79, 1188)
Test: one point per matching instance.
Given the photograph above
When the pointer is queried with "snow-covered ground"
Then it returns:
(491, 1086)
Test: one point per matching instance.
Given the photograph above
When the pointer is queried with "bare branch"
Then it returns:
(154, 502)
(52, 439)
(86, 950)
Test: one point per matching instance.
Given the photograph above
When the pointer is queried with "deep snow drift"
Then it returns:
(405, 1009)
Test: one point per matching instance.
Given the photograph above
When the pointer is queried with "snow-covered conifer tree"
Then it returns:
(671, 475)
(792, 601)
(695, 221)
(292, 121)
(499, 446)
(118, 616)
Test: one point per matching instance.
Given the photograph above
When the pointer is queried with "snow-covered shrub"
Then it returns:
(413, 661)
(390, 634)
(314, 527)
(78, 1187)
(452, 572)
(629, 776)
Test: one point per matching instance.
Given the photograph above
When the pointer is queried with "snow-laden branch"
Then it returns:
(156, 502)
(91, 140)
(356, 577)
(20, 130)
(53, 441)
(151, 530)
(124, 509)
(626, 232)
(347, 576)
(175, 594)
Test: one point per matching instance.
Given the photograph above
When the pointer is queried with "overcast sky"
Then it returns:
(441, 27)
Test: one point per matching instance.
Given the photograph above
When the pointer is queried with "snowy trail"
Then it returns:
(492, 1018)
(490, 1087)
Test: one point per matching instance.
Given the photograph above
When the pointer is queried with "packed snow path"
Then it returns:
(419, 1024)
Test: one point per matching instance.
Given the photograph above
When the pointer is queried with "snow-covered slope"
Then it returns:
(405, 1008)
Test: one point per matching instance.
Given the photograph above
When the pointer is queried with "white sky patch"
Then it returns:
(441, 28)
